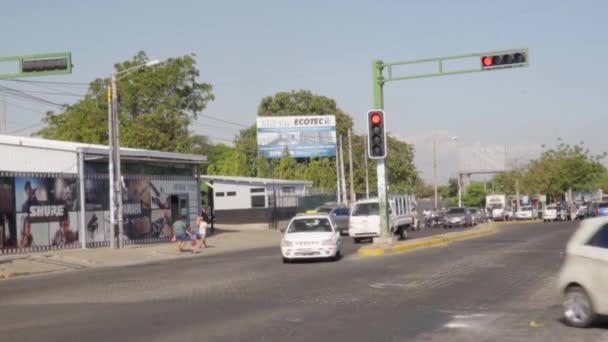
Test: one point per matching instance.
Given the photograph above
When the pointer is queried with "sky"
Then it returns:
(251, 49)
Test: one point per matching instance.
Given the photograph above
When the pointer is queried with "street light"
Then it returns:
(114, 151)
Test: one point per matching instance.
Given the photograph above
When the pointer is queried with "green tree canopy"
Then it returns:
(475, 195)
(156, 105)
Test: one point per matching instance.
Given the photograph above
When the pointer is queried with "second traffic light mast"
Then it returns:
(385, 233)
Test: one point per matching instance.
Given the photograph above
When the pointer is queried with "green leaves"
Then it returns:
(156, 105)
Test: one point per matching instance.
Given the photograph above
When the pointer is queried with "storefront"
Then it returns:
(55, 194)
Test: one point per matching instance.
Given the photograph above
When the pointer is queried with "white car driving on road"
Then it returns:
(583, 278)
(311, 236)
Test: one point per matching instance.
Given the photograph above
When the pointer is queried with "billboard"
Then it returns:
(303, 136)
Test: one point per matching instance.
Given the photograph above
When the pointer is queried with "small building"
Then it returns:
(254, 200)
(56, 194)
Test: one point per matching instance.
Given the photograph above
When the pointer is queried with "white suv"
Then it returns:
(583, 279)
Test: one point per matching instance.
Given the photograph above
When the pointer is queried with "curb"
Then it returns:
(517, 222)
(430, 241)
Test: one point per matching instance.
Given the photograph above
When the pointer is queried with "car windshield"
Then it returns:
(551, 207)
(526, 209)
(365, 209)
(473, 211)
(310, 225)
(457, 211)
(324, 209)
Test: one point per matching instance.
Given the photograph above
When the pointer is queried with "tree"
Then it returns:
(424, 190)
(156, 105)
(474, 196)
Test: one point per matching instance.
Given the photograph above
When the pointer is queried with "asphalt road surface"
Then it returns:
(485, 289)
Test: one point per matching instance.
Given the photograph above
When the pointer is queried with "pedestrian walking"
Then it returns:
(180, 231)
(202, 231)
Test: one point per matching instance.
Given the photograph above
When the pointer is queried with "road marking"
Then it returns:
(456, 325)
(387, 285)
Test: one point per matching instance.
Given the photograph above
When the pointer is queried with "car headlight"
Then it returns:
(329, 242)
(286, 243)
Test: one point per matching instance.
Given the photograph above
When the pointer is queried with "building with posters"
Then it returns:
(43, 205)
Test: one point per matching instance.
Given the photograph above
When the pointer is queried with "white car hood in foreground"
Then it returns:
(311, 236)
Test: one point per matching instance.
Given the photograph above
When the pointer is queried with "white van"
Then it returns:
(364, 221)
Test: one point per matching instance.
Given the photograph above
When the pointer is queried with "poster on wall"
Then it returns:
(65, 231)
(95, 226)
(161, 223)
(97, 194)
(8, 224)
(136, 208)
(43, 208)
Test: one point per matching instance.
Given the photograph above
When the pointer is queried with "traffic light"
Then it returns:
(376, 134)
(504, 60)
(47, 64)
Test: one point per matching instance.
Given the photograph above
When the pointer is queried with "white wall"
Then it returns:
(242, 200)
(28, 159)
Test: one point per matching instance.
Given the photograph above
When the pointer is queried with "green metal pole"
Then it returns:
(386, 236)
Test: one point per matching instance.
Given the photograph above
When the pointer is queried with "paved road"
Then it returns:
(486, 289)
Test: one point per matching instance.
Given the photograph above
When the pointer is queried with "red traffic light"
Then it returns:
(375, 118)
(487, 61)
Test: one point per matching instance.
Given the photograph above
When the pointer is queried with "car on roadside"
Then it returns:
(599, 209)
(457, 217)
(583, 278)
(311, 236)
(550, 213)
(478, 215)
(525, 213)
(338, 214)
(581, 211)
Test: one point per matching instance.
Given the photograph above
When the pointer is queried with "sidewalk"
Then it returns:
(223, 241)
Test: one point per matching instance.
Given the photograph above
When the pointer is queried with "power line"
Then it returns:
(207, 125)
(224, 121)
(49, 82)
(26, 127)
(24, 95)
(55, 93)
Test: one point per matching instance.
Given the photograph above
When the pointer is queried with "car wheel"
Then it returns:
(402, 233)
(337, 257)
(577, 308)
(286, 261)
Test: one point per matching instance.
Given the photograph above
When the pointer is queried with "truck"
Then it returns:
(364, 221)
(498, 208)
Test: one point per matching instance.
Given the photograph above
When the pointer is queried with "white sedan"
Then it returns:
(583, 279)
(311, 236)
(524, 213)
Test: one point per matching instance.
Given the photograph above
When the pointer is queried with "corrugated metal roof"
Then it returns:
(255, 180)
(101, 150)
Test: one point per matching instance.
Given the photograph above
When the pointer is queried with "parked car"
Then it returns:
(311, 236)
(599, 209)
(457, 217)
(337, 213)
(478, 215)
(583, 278)
(550, 213)
(582, 210)
(525, 213)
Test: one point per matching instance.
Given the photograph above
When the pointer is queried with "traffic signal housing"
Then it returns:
(504, 60)
(49, 64)
(376, 134)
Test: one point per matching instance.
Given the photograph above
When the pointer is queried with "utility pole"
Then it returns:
(338, 191)
(116, 156)
(366, 168)
(111, 167)
(435, 166)
(342, 176)
(353, 196)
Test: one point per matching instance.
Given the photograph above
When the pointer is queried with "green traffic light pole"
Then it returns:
(379, 79)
